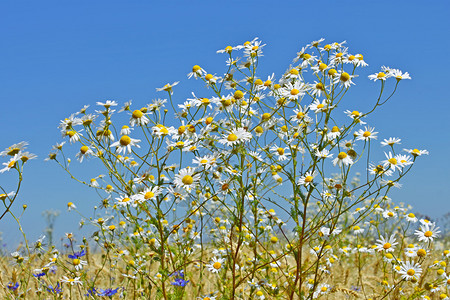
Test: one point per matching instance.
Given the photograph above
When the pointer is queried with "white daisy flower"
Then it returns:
(318, 106)
(107, 104)
(197, 72)
(280, 152)
(427, 232)
(186, 178)
(138, 118)
(399, 75)
(411, 218)
(342, 159)
(72, 281)
(323, 154)
(410, 270)
(345, 79)
(216, 265)
(378, 76)
(366, 134)
(149, 194)
(307, 178)
(84, 152)
(390, 141)
(386, 244)
(416, 152)
(168, 87)
(125, 130)
(236, 136)
(293, 91)
(125, 143)
(391, 162)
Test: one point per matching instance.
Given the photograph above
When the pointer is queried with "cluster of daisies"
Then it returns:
(236, 189)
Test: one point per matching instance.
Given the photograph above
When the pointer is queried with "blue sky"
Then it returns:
(58, 56)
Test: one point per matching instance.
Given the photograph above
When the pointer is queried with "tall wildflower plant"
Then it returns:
(17, 157)
(260, 187)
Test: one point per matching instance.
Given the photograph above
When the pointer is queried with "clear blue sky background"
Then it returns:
(57, 56)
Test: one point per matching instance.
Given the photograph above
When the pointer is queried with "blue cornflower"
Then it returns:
(77, 254)
(179, 278)
(55, 290)
(177, 274)
(39, 275)
(12, 286)
(180, 282)
(91, 292)
(53, 269)
(355, 288)
(107, 292)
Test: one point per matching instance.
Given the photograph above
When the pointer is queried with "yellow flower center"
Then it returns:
(187, 180)
(258, 82)
(280, 151)
(320, 86)
(293, 71)
(332, 72)
(149, 195)
(421, 252)
(342, 155)
(351, 57)
(137, 114)
(366, 133)
(164, 130)
(392, 161)
(84, 149)
(267, 83)
(238, 95)
(335, 129)
(259, 129)
(339, 54)
(266, 116)
(232, 137)
(356, 227)
(76, 262)
(294, 92)
(209, 120)
(125, 140)
(228, 49)
(345, 77)
(390, 214)
(381, 75)
(181, 129)
(428, 234)
(300, 115)
(308, 178)
(209, 77)
(387, 246)
(320, 105)
(217, 265)
(196, 68)
(322, 66)
(324, 289)
(13, 151)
